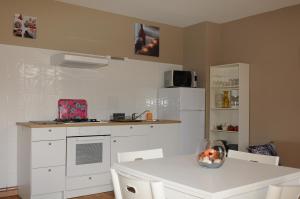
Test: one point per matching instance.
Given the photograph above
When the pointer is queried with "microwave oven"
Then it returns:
(179, 78)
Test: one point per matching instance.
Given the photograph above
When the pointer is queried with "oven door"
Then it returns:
(88, 155)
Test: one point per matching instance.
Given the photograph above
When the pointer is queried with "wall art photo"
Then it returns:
(25, 26)
(146, 40)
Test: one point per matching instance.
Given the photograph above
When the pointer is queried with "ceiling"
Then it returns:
(184, 13)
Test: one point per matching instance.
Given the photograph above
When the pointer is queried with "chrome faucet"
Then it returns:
(134, 116)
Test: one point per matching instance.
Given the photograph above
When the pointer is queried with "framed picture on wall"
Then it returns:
(146, 40)
(24, 26)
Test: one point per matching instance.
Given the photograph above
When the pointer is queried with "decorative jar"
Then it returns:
(226, 100)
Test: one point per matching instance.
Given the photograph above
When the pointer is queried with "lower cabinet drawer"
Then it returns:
(48, 180)
(57, 133)
(48, 153)
(58, 195)
(88, 181)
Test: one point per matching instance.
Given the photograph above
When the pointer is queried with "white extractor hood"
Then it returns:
(79, 60)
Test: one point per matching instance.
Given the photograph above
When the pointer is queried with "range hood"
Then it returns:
(79, 60)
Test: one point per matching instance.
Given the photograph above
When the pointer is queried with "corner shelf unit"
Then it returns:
(233, 78)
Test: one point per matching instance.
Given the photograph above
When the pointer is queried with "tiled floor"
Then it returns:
(107, 195)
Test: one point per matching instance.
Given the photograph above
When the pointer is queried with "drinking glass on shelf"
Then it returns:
(219, 99)
(234, 98)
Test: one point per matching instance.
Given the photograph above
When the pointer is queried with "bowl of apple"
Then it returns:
(213, 156)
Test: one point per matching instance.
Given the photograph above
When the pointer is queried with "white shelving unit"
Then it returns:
(233, 78)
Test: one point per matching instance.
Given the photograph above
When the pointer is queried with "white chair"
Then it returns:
(140, 155)
(127, 187)
(283, 192)
(265, 159)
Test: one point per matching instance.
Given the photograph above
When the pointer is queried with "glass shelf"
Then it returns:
(224, 131)
(226, 88)
(222, 109)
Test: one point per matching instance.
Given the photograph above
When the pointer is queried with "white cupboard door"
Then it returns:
(138, 130)
(48, 180)
(127, 144)
(166, 136)
(48, 153)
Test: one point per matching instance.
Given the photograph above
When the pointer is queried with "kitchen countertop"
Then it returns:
(102, 123)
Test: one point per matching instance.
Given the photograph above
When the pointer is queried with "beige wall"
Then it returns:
(201, 49)
(270, 43)
(77, 29)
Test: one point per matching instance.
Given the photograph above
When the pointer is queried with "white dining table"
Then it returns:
(184, 178)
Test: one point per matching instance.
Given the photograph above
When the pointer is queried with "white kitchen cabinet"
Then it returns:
(41, 162)
(128, 143)
(145, 137)
(42, 156)
(167, 137)
(127, 138)
(48, 180)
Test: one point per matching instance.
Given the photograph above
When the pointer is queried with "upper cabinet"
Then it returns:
(229, 105)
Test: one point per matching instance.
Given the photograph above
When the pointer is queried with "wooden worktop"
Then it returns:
(103, 123)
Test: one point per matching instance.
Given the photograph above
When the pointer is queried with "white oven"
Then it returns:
(88, 154)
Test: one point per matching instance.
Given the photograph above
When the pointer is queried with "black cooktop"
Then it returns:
(76, 120)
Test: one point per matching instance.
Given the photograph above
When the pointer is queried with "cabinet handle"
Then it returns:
(151, 126)
(115, 141)
(131, 127)
(49, 130)
(49, 170)
(49, 143)
(90, 178)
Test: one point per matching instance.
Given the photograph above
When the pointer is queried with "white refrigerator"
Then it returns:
(188, 106)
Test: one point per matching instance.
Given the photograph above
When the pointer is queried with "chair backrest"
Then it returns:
(283, 192)
(265, 159)
(128, 187)
(140, 155)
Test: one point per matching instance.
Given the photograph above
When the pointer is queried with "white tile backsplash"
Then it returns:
(30, 88)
